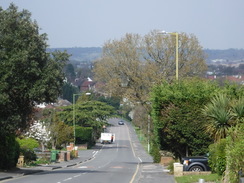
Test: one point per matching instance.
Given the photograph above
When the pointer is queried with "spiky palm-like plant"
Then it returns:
(237, 109)
(219, 113)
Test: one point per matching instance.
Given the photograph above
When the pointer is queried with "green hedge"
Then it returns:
(155, 153)
(217, 157)
(235, 154)
(84, 135)
(9, 151)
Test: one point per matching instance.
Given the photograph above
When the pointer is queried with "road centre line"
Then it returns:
(77, 175)
(67, 179)
(138, 164)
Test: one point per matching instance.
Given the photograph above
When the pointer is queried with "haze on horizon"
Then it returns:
(218, 24)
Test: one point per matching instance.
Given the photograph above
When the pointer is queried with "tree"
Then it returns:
(84, 72)
(88, 113)
(129, 67)
(60, 133)
(113, 101)
(39, 132)
(28, 75)
(68, 90)
(70, 72)
(179, 125)
(160, 49)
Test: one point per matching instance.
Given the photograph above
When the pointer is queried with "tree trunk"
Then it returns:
(43, 147)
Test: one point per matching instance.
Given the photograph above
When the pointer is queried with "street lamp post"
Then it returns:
(148, 133)
(74, 114)
(176, 51)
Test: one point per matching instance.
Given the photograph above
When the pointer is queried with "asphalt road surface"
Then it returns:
(113, 163)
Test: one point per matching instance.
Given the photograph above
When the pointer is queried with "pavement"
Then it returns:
(147, 171)
(83, 156)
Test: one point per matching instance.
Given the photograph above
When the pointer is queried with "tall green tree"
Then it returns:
(70, 72)
(88, 113)
(68, 90)
(28, 74)
(179, 125)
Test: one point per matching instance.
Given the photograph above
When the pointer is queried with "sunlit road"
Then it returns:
(112, 163)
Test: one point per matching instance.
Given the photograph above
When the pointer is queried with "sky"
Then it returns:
(218, 24)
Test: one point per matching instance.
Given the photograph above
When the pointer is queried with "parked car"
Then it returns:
(121, 122)
(195, 164)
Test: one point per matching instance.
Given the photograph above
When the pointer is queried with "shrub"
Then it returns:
(72, 154)
(155, 153)
(217, 158)
(84, 135)
(27, 143)
(9, 152)
(26, 149)
(171, 166)
(234, 154)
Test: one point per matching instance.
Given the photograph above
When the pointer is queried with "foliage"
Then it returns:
(234, 153)
(72, 154)
(70, 73)
(39, 132)
(87, 113)
(27, 143)
(170, 167)
(178, 121)
(68, 90)
(219, 114)
(27, 146)
(9, 152)
(217, 157)
(85, 71)
(28, 74)
(60, 133)
(224, 111)
(112, 101)
(140, 118)
(84, 135)
(227, 154)
(129, 67)
(237, 109)
(155, 153)
(40, 161)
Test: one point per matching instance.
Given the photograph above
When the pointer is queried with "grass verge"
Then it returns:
(213, 178)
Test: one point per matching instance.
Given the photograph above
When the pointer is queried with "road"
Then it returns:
(112, 163)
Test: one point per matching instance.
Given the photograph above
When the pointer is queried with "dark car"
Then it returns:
(195, 163)
(121, 123)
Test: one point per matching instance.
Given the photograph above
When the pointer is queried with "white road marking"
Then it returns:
(67, 179)
(94, 154)
(77, 175)
(83, 167)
